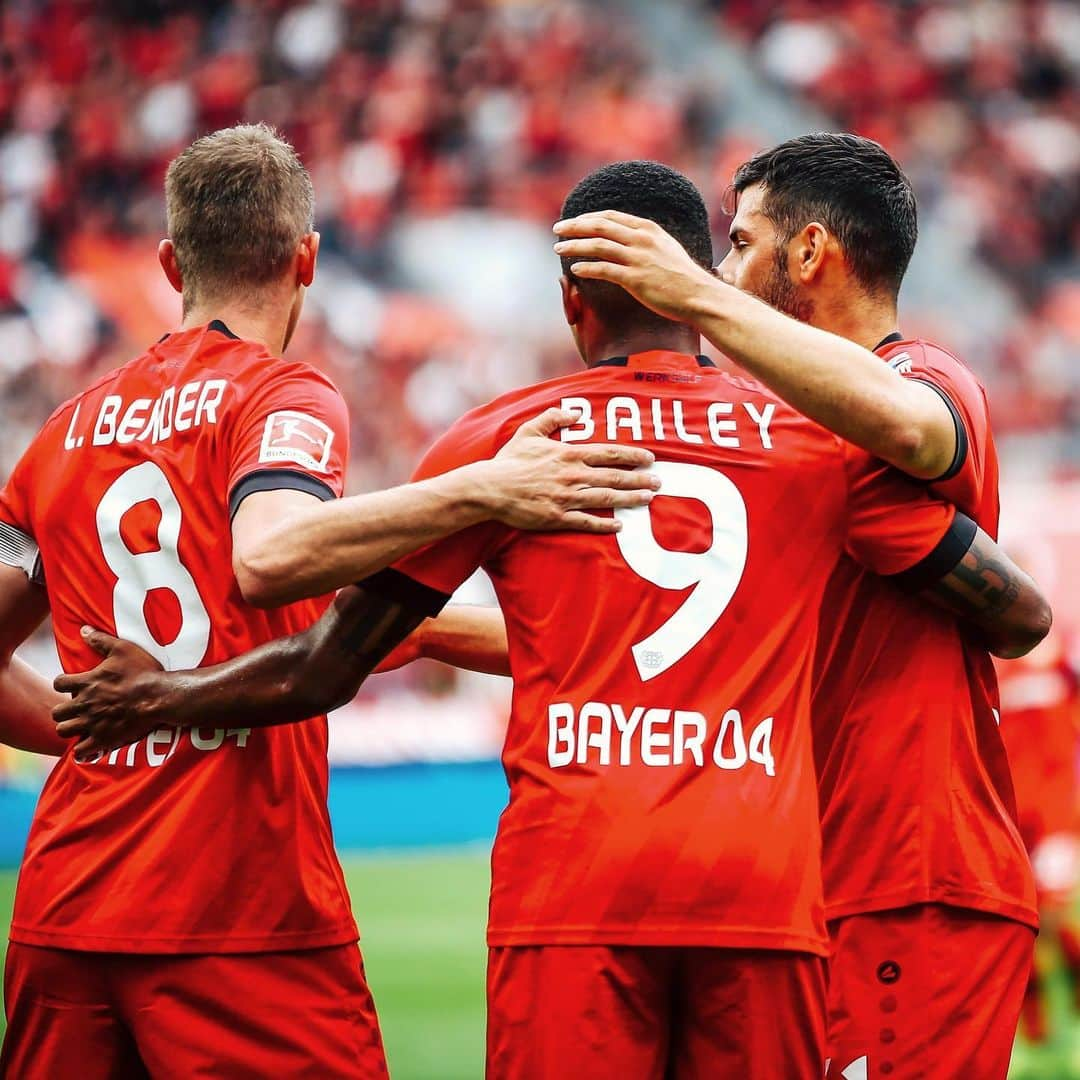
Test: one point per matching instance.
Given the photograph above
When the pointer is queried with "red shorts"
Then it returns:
(928, 992)
(246, 1017)
(647, 1013)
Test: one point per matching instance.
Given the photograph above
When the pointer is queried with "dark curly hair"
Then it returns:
(650, 190)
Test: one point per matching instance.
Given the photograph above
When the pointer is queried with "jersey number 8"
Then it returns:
(138, 573)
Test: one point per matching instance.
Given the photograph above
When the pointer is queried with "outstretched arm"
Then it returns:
(128, 695)
(830, 379)
(463, 636)
(990, 592)
(26, 698)
(288, 546)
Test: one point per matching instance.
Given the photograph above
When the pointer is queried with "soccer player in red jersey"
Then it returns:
(1040, 723)
(929, 893)
(656, 903)
(180, 909)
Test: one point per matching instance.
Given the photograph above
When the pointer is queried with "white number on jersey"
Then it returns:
(715, 573)
(139, 573)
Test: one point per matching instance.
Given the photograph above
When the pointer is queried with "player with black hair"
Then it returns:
(656, 907)
(929, 893)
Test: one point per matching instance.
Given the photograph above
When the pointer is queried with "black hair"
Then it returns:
(645, 189)
(850, 185)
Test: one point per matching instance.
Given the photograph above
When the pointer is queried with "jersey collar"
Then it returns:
(889, 339)
(657, 359)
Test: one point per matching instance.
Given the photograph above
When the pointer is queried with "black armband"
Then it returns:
(277, 480)
(961, 433)
(952, 547)
(411, 594)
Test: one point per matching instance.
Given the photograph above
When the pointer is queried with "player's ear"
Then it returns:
(306, 256)
(810, 248)
(571, 300)
(166, 254)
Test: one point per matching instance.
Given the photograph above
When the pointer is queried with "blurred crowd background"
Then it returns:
(442, 136)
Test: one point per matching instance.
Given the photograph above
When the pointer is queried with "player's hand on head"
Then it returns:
(538, 483)
(113, 704)
(638, 255)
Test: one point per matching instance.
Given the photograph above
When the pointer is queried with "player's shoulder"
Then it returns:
(915, 356)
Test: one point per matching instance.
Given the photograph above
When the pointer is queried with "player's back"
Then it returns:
(905, 719)
(214, 837)
(658, 754)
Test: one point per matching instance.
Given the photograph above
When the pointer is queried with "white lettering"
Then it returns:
(600, 739)
(210, 398)
(763, 419)
(165, 425)
(217, 737)
(626, 725)
(718, 426)
(652, 741)
(658, 420)
(70, 442)
(164, 737)
(585, 428)
(134, 418)
(685, 742)
(185, 406)
(732, 722)
(680, 427)
(105, 429)
(560, 734)
(632, 420)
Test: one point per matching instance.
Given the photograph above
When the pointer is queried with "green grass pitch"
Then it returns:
(422, 920)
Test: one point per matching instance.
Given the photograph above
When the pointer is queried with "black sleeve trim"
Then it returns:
(961, 434)
(952, 547)
(277, 480)
(412, 594)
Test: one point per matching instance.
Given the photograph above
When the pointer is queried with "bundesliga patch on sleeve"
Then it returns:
(297, 437)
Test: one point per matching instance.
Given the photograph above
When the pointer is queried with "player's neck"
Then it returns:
(267, 328)
(679, 338)
(867, 320)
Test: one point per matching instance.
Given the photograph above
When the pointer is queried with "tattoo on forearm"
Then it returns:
(989, 578)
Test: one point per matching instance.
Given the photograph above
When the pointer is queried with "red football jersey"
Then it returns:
(1040, 724)
(916, 797)
(658, 753)
(217, 838)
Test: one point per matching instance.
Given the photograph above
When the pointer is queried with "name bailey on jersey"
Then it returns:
(660, 419)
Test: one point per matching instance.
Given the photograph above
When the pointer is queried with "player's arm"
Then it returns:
(986, 589)
(288, 546)
(283, 681)
(463, 636)
(832, 380)
(26, 698)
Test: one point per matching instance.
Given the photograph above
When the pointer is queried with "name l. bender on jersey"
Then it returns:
(145, 419)
(727, 423)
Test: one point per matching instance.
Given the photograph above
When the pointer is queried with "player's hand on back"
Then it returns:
(638, 255)
(537, 483)
(113, 704)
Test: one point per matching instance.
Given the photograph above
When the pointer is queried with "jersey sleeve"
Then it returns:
(965, 477)
(292, 433)
(893, 524)
(18, 547)
(444, 565)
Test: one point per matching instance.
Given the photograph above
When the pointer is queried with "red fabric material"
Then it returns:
(926, 993)
(131, 514)
(98, 1017)
(661, 784)
(905, 721)
(653, 1013)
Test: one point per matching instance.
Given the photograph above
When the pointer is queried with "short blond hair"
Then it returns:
(238, 201)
